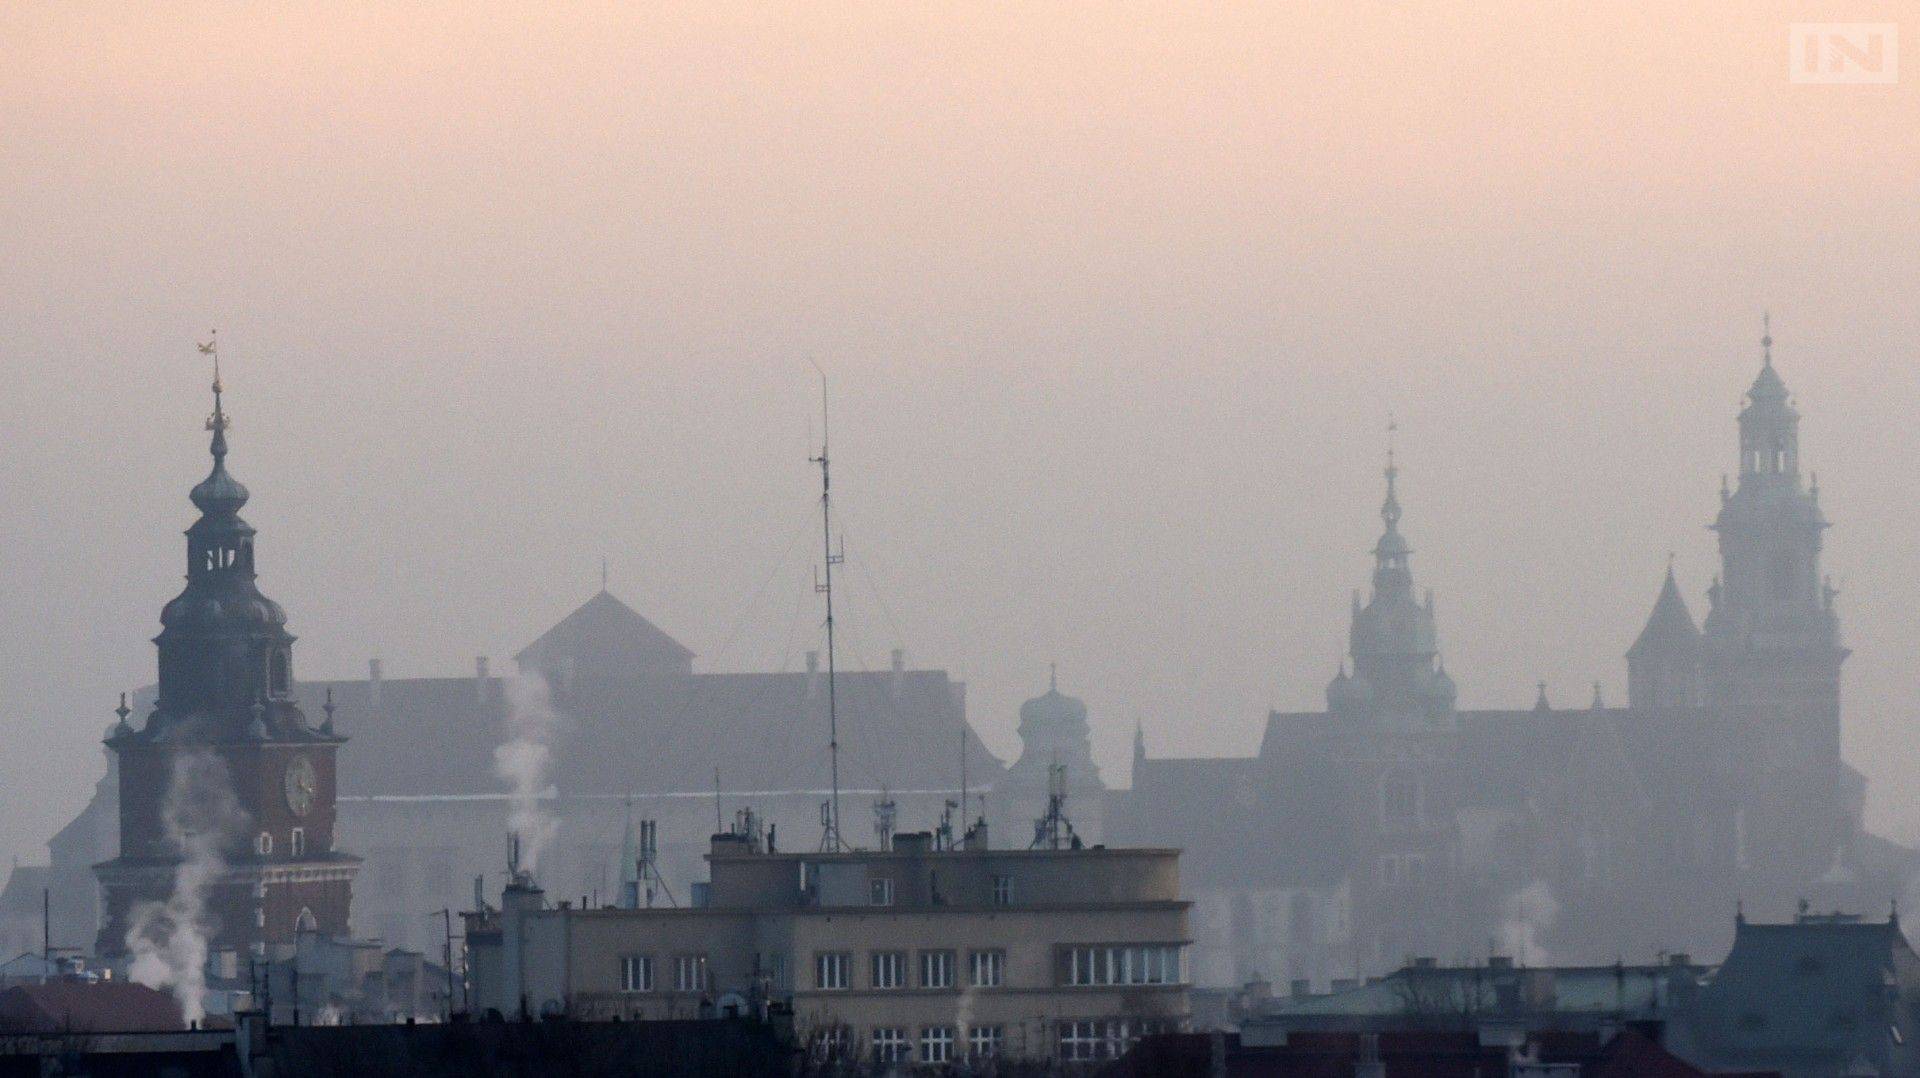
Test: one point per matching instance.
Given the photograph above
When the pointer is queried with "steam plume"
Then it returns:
(1525, 915)
(168, 940)
(525, 760)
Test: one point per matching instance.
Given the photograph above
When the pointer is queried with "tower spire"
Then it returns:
(217, 422)
(1766, 338)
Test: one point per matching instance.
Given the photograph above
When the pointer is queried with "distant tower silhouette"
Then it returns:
(1771, 635)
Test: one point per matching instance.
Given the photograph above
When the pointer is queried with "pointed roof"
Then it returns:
(1767, 386)
(1670, 625)
(605, 638)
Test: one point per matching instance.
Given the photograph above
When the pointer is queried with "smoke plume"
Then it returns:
(525, 761)
(1526, 914)
(168, 940)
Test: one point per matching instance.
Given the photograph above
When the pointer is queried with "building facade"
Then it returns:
(225, 791)
(926, 951)
(1406, 827)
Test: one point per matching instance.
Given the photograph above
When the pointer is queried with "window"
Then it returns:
(889, 969)
(297, 841)
(777, 969)
(636, 973)
(306, 922)
(882, 893)
(833, 970)
(983, 1042)
(264, 844)
(830, 1043)
(890, 1046)
(1098, 1038)
(279, 673)
(936, 1044)
(1003, 890)
(1149, 964)
(936, 969)
(1082, 1041)
(987, 968)
(689, 973)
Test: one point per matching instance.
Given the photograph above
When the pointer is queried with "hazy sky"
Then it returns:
(1116, 300)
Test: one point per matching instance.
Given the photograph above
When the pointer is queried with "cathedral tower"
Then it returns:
(226, 792)
(1393, 640)
(1771, 635)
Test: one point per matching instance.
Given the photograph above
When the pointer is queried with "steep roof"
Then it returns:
(605, 638)
(88, 1007)
(1830, 988)
(1670, 627)
(660, 733)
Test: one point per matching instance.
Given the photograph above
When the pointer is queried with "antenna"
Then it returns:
(830, 840)
(884, 811)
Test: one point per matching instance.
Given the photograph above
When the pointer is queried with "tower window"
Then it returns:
(264, 844)
(279, 672)
(297, 841)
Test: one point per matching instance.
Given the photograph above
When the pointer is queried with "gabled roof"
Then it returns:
(1670, 627)
(605, 638)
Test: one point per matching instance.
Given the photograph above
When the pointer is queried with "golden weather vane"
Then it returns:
(218, 420)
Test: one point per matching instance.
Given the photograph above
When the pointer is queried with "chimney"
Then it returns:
(480, 678)
(373, 684)
(899, 670)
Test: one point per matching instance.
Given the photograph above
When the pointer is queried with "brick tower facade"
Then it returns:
(226, 792)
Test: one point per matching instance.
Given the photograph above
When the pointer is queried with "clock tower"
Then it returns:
(226, 791)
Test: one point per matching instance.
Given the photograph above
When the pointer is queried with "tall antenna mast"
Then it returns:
(824, 585)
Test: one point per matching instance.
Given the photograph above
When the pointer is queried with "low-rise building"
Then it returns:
(925, 951)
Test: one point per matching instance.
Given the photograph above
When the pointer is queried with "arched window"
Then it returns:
(264, 844)
(306, 922)
(279, 672)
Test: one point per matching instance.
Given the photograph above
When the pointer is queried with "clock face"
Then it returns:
(301, 784)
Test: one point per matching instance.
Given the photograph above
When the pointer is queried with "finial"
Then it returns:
(1739, 911)
(123, 710)
(1599, 701)
(1053, 677)
(1670, 557)
(218, 422)
(1766, 337)
(328, 708)
(603, 572)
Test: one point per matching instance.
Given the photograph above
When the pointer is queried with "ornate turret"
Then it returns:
(1393, 640)
(1771, 635)
(224, 646)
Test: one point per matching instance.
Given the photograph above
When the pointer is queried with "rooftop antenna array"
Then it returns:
(1053, 830)
(830, 812)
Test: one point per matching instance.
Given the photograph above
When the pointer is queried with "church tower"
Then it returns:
(1396, 676)
(226, 792)
(1771, 635)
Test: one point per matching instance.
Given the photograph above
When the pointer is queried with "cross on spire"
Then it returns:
(1766, 337)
